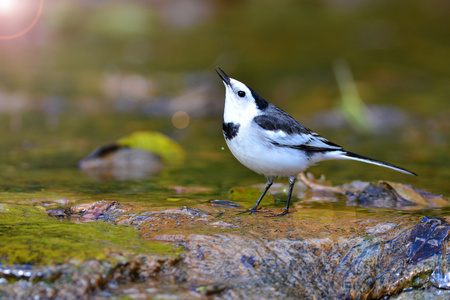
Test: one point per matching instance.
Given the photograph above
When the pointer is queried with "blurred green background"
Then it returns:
(89, 72)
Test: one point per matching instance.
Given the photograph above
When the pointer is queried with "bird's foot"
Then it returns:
(251, 211)
(285, 212)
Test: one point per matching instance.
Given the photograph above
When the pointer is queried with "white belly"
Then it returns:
(261, 156)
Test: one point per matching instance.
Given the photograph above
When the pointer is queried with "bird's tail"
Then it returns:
(354, 156)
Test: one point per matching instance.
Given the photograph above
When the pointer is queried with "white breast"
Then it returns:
(255, 151)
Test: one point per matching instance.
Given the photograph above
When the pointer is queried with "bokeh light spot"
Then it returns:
(134, 86)
(180, 119)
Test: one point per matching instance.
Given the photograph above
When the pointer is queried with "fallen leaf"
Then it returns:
(409, 193)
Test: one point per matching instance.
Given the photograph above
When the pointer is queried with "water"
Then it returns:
(61, 97)
(39, 164)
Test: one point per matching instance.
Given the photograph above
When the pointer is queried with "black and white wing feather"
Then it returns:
(282, 130)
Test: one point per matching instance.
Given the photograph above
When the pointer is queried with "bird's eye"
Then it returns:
(241, 94)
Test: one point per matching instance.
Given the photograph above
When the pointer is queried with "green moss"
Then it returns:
(122, 298)
(249, 195)
(29, 236)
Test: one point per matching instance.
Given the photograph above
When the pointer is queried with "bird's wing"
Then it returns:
(284, 131)
(275, 119)
(281, 130)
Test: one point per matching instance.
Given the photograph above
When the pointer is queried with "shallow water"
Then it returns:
(54, 88)
(38, 163)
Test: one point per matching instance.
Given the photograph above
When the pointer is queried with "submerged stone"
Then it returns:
(121, 163)
(134, 156)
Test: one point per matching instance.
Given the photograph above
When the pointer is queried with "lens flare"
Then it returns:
(8, 6)
(12, 7)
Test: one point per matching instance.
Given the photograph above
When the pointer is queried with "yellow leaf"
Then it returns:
(407, 192)
(154, 142)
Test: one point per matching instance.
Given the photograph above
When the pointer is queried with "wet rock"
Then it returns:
(211, 289)
(375, 196)
(57, 213)
(380, 228)
(117, 162)
(427, 239)
(306, 255)
(133, 157)
(224, 203)
(76, 279)
(223, 224)
(93, 212)
(316, 252)
(386, 194)
(150, 222)
(328, 267)
(430, 293)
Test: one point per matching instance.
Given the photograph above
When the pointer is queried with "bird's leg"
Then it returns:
(255, 207)
(269, 184)
(291, 187)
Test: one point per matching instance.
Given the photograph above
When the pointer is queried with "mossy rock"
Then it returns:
(29, 236)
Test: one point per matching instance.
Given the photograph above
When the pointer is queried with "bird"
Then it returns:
(268, 141)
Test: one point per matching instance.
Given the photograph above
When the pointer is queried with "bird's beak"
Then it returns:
(223, 76)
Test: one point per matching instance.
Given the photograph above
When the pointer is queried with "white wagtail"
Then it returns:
(267, 140)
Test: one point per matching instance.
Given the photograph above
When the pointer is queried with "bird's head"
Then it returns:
(239, 98)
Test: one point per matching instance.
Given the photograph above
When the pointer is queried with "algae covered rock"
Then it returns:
(29, 236)
(44, 258)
